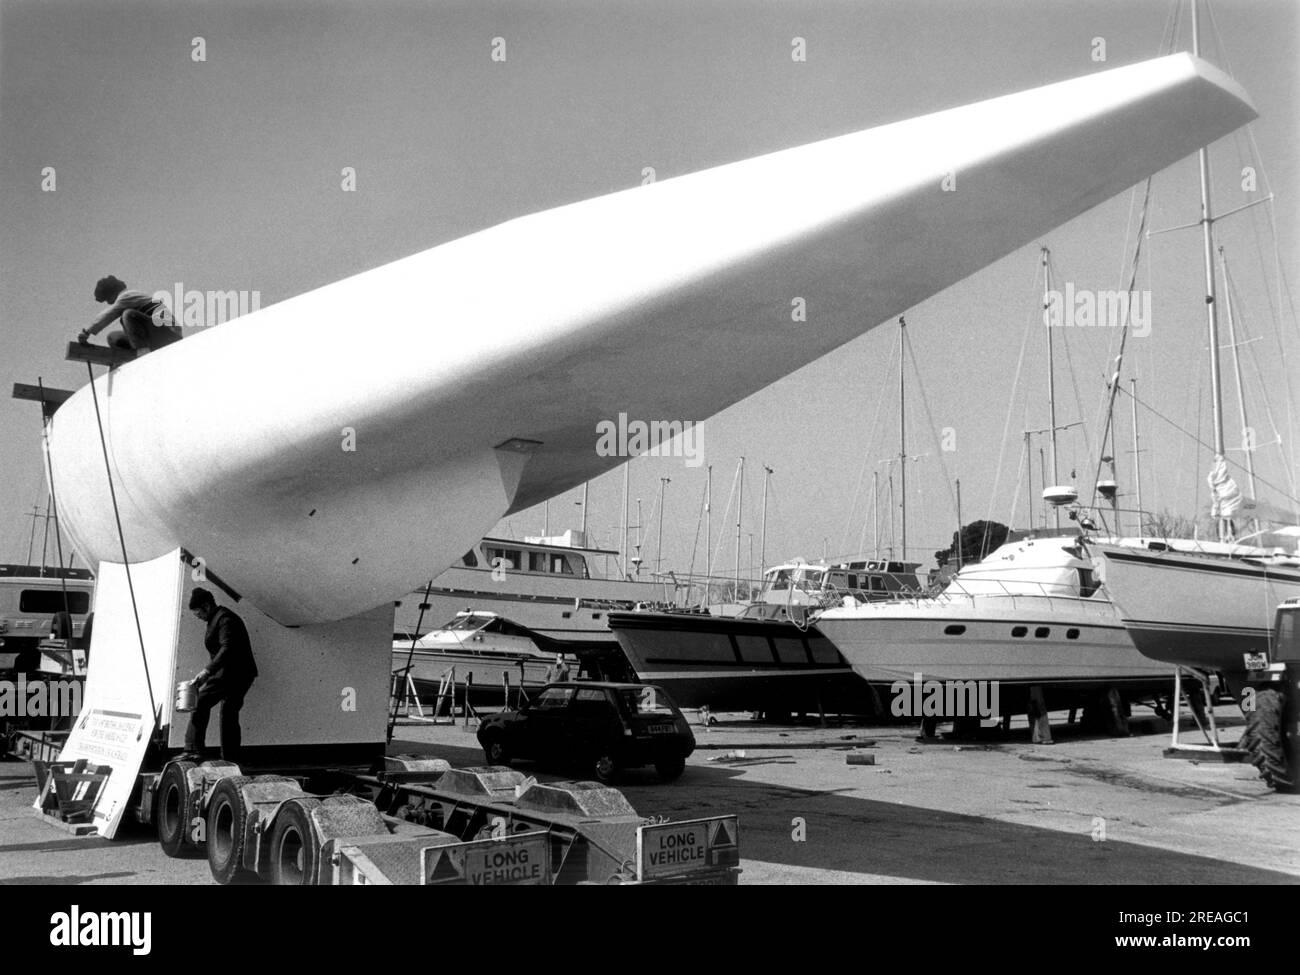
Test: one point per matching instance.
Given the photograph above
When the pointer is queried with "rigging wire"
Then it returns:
(54, 501)
(866, 454)
(1011, 405)
(121, 537)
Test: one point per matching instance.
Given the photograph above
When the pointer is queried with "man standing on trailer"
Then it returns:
(225, 680)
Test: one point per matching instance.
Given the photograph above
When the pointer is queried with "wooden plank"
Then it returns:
(36, 394)
(100, 355)
(76, 829)
(50, 401)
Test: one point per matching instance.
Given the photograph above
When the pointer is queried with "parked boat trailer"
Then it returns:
(419, 821)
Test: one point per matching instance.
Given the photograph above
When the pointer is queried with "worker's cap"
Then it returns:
(201, 597)
(106, 289)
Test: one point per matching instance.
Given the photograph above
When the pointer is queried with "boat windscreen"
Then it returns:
(469, 623)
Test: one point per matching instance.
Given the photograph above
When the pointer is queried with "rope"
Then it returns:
(1011, 405)
(121, 537)
(699, 519)
(1113, 380)
(410, 655)
(934, 430)
(54, 501)
(1196, 438)
(866, 456)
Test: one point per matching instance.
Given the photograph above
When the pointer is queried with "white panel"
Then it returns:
(320, 684)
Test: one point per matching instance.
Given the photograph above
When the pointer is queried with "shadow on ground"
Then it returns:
(855, 835)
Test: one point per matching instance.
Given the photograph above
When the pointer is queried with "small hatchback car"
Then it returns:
(598, 727)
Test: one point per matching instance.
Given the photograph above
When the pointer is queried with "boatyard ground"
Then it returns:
(1084, 810)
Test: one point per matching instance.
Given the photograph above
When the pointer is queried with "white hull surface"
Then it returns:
(1196, 609)
(1030, 614)
(293, 459)
(1023, 639)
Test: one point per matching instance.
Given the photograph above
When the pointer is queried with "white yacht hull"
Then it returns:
(1062, 639)
(1192, 609)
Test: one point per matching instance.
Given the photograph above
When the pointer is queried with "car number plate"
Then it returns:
(662, 729)
(1256, 661)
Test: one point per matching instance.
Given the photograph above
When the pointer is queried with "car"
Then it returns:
(601, 727)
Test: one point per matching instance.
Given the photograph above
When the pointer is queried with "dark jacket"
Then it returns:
(227, 643)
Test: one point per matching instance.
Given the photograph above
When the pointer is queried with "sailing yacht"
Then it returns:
(1199, 604)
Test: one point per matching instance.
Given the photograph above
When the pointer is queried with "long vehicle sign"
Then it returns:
(690, 846)
(523, 859)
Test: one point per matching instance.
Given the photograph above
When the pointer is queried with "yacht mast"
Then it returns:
(1211, 304)
(762, 545)
(708, 528)
(1137, 463)
(1051, 380)
(659, 543)
(740, 505)
(902, 430)
(622, 545)
(875, 513)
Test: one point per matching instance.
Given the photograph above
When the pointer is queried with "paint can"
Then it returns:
(187, 696)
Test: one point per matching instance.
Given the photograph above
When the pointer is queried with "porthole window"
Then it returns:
(1042, 632)
(954, 629)
(1072, 634)
(1019, 630)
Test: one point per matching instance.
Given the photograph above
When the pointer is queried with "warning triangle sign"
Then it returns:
(720, 834)
(439, 868)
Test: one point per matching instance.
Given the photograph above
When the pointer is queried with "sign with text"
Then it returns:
(520, 860)
(671, 849)
(121, 699)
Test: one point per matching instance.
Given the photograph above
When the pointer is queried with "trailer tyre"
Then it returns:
(294, 855)
(174, 814)
(227, 822)
(1264, 739)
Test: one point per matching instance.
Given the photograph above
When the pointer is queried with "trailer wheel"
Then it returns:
(174, 814)
(670, 769)
(227, 821)
(1264, 738)
(295, 857)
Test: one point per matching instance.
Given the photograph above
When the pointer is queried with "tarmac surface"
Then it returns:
(1084, 810)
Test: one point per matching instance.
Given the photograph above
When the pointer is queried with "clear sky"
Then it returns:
(225, 174)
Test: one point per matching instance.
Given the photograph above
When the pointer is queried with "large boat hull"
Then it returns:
(736, 664)
(1069, 647)
(1195, 610)
(559, 607)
